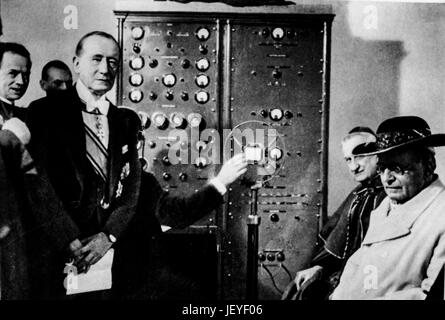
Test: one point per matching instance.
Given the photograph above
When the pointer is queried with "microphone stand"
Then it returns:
(253, 223)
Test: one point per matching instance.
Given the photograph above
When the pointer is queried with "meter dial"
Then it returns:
(160, 120)
(177, 120)
(136, 96)
(202, 81)
(276, 114)
(202, 64)
(202, 97)
(137, 63)
(277, 33)
(136, 79)
(169, 80)
(276, 154)
(202, 33)
(137, 33)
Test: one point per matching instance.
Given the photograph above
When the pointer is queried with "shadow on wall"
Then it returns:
(365, 85)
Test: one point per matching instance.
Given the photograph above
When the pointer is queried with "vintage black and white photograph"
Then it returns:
(210, 151)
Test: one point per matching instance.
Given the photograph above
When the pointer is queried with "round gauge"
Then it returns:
(202, 97)
(136, 96)
(136, 79)
(202, 33)
(177, 120)
(276, 154)
(276, 114)
(277, 33)
(202, 64)
(194, 119)
(137, 33)
(169, 80)
(202, 81)
(137, 63)
(159, 119)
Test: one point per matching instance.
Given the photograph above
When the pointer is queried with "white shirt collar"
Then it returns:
(6, 100)
(91, 102)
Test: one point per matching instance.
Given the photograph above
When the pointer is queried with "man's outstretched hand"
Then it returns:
(232, 169)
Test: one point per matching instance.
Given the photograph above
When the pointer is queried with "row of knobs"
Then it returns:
(201, 96)
(177, 120)
(276, 114)
(278, 33)
(271, 256)
(201, 33)
(138, 63)
(169, 80)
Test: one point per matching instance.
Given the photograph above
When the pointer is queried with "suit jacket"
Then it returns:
(136, 201)
(402, 252)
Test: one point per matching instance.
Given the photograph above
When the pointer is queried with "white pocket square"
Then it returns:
(125, 149)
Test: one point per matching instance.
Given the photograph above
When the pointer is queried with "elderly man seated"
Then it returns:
(404, 248)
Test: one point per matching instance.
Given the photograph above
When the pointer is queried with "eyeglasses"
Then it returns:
(395, 168)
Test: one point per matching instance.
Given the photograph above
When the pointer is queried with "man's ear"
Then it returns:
(76, 64)
(43, 85)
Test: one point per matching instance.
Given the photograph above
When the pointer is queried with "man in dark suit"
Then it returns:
(56, 76)
(90, 152)
(15, 68)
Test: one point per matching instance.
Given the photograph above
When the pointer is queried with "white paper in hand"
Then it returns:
(97, 278)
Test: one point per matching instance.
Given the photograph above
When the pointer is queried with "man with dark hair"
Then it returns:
(56, 75)
(90, 152)
(344, 231)
(404, 248)
(15, 68)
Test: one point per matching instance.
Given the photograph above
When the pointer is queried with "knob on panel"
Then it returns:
(137, 63)
(137, 33)
(288, 114)
(166, 176)
(183, 177)
(152, 95)
(169, 95)
(261, 256)
(184, 96)
(202, 33)
(277, 74)
(276, 114)
(160, 120)
(203, 49)
(185, 63)
(169, 80)
(177, 120)
(265, 32)
(136, 96)
(203, 64)
(136, 79)
(166, 161)
(195, 119)
(280, 257)
(153, 63)
(278, 33)
(202, 97)
(276, 154)
(202, 81)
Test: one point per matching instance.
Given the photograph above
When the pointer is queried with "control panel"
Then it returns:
(199, 76)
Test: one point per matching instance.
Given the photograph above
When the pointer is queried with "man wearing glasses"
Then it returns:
(343, 233)
(404, 248)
